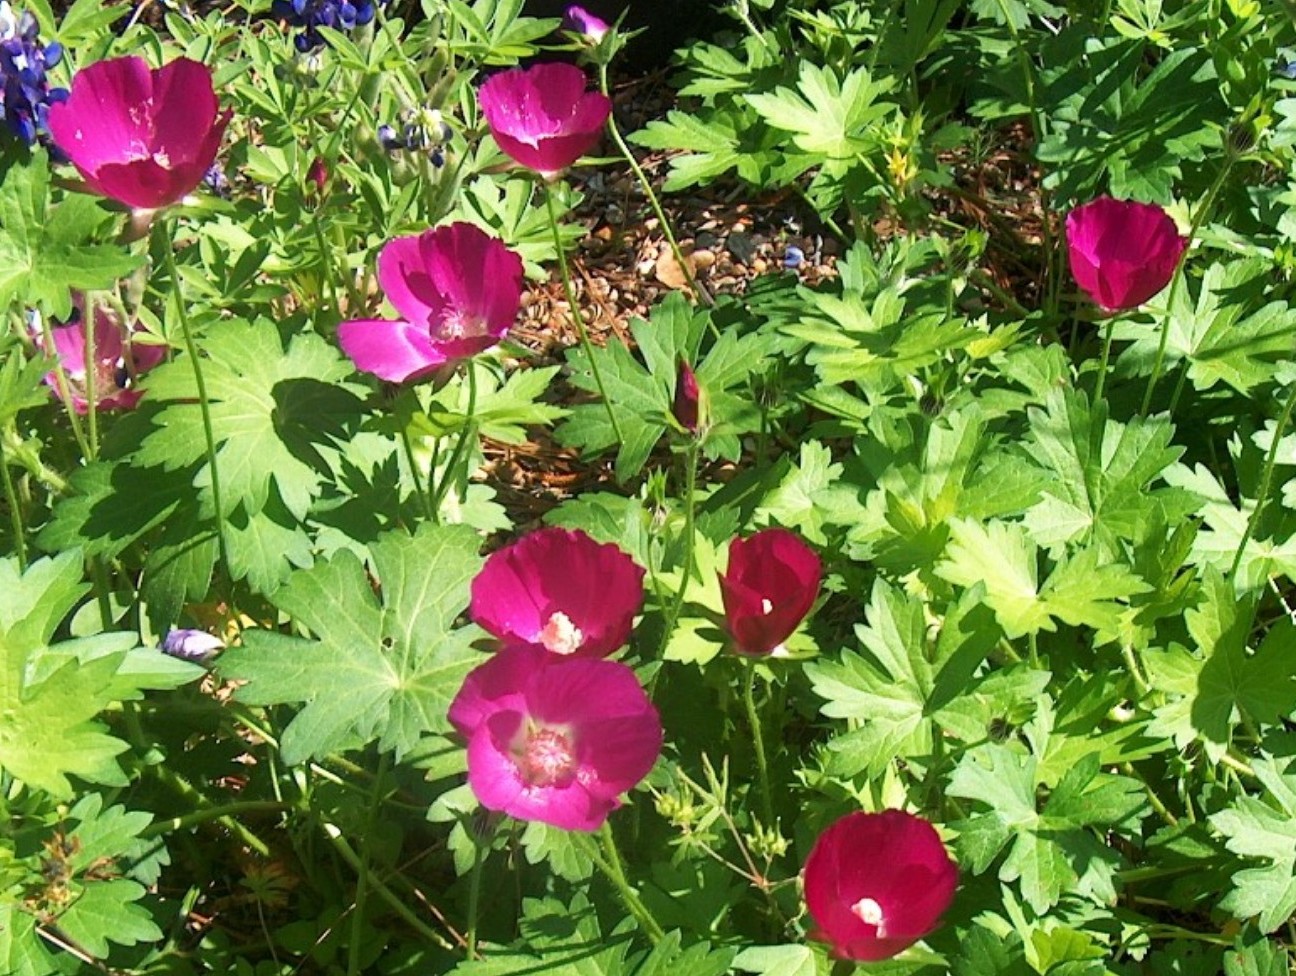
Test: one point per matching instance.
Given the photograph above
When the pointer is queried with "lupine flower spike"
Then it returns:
(25, 94)
(117, 363)
(458, 289)
(542, 116)
(1122, 252)
(876, 883)
(311, 15)
(560, 591)
(142, 136)
(770, 585)
(555, 739)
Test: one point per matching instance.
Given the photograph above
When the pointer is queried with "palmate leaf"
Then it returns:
(1229, 335)
(275, 406)
(46, 252)
(50, 695)
(1254, 828)
(826, 116)
(375, 670)
(1102, 472)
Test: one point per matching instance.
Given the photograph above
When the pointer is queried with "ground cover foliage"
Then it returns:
(994, 526)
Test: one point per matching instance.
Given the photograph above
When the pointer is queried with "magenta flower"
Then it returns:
(142, 136)
(542, 116)
(688, 397)
(558, 590)
(578, 20)
(1122, 252)
(117, 361)
(876, 883)
(458, 289)
(555, 739)
(769, 587)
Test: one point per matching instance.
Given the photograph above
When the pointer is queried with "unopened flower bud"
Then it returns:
(192, 645)
(688, 398)
(578, 20)
(318, 174)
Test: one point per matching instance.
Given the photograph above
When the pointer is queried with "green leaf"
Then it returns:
(376, 670)
(275, 406)
(827, 116)
(792, 503)
(46, 252)
(783, 960)
(1254, 828)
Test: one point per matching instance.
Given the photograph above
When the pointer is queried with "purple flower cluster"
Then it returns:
(25, 94)
(310, 15)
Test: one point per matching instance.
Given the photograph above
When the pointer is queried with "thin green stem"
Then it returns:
(685, 266)
(1177, 279)
(64, 389)
(204, 405)
(474, 895)
(610, 865)
(363, 873)
(424, 498)
(461, 445)
(1178, 388)
(88, 313)
(393, 900)
(1266, 478)
(195, 798)
(160, 827)
(758, 742)
(22, 454)
(1132, 665)
(1108, 328)
(686, 570)
(15, 511)
(576, 315)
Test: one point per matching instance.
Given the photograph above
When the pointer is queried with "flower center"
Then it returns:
(457, 324)
(766, 605)
(869, 912)
(560, 635)
(547, 758)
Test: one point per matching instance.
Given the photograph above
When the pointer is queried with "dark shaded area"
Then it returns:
(668, 24)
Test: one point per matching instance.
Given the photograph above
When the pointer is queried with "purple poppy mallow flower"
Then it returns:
(578, 20)
(117, 361)
(1122, 252)
(555, 739)
(543, 116)
(142, 136)
(458, 290)
(770, 585)
(876, 883)
(197, 646)
(687, 405)
(560, 591)
(25, 92)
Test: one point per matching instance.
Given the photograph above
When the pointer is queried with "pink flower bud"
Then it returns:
(578, 20)
(318, 174)
(687, 398)
(770, 585)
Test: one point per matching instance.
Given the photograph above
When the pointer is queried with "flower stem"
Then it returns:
(363, 869)
(758, 742)
(677, 604)
(610, 865)
(474, 896)
(1108, 328)
(15, 511)
(1198, 219)
(686, 268)
(64, 391)
(576, 315)
(1265, 479)
(88, 314)
(231, 810)
(461, 445)
(203, 405)
(424, 498)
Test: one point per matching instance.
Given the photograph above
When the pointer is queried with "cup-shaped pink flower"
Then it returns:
(770, 585)
(458, 290)
(876, 883)
(1122, 252)
(143, 136)
(117, 361)
(542, 116)
(560, 591)
(555, 739)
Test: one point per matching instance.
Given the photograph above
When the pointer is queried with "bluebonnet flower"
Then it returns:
(217, 181)
(388, 138)
(192, 645)
(310, 15)
(793, 256)
(422, 130)
(25, 94)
